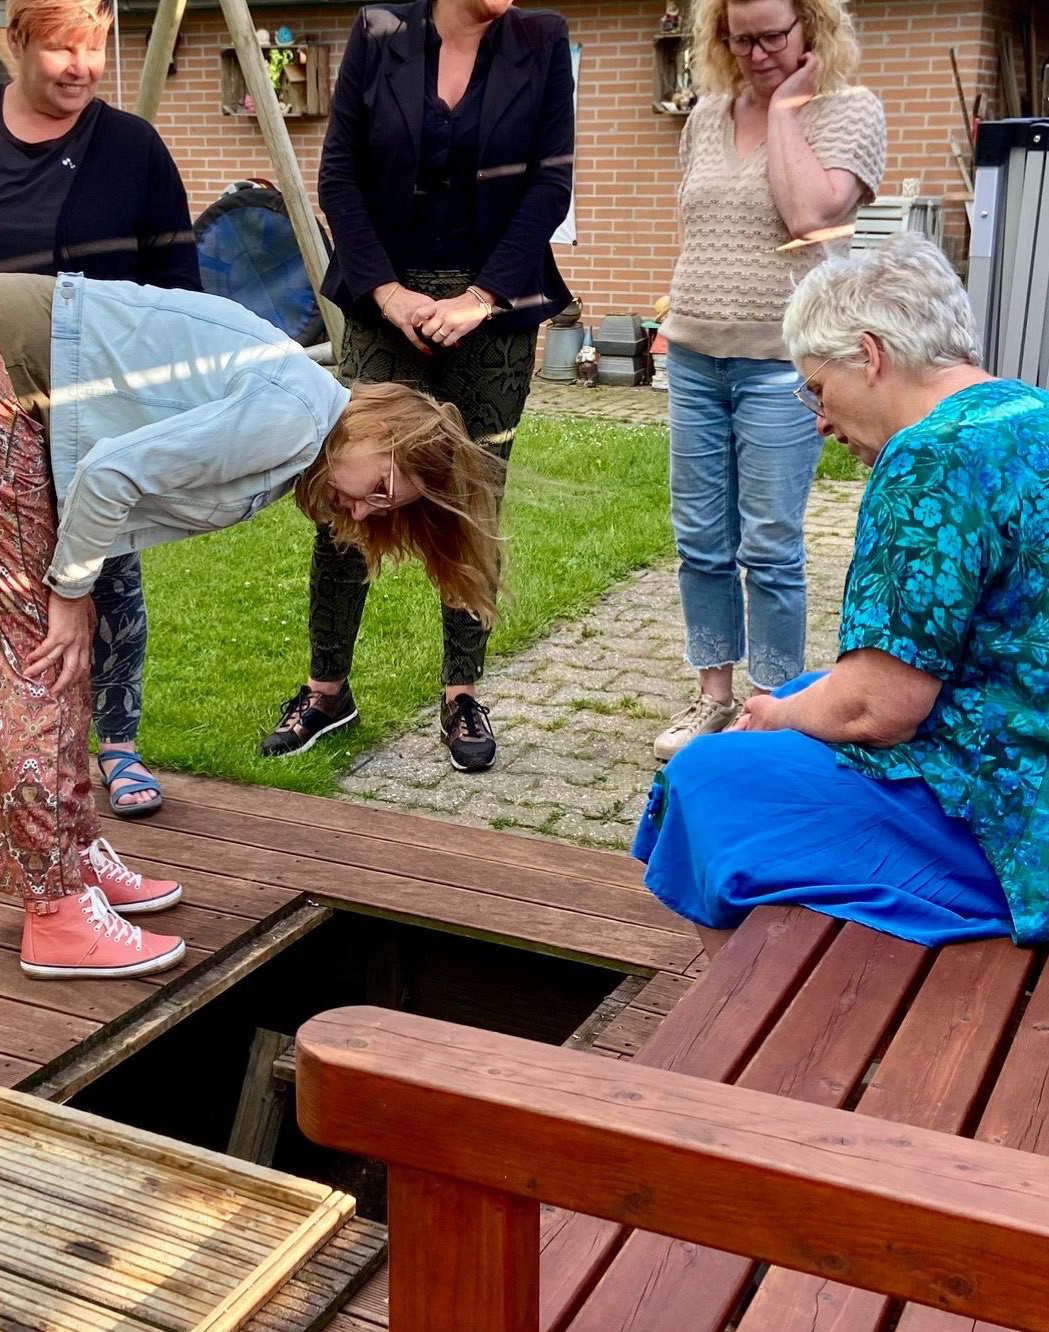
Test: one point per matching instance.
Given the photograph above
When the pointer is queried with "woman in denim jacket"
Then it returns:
(170, 413)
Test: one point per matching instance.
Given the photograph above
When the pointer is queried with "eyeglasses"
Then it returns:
(805, 395)
(384, 499)
(770, 42)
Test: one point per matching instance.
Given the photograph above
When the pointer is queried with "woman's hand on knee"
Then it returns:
(67, 646)
(760, 713)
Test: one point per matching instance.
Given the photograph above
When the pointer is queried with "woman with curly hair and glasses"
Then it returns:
(776, 156)
(143, 447)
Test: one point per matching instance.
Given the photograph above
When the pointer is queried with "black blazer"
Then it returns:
(525, 151)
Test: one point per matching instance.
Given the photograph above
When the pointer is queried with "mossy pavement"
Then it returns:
(575, 714)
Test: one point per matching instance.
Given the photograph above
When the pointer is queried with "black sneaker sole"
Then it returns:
(465, 767)
(325, 730)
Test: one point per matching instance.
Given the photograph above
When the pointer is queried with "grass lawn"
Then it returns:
(587, 503)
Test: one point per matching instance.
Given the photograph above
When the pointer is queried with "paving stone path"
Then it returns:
(576, 713)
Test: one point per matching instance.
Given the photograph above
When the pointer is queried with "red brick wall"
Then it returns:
(626, 164)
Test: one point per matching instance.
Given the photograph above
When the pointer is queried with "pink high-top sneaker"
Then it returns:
(128, 892)
(81, 936)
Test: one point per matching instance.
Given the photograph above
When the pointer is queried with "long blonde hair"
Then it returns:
(829, 32)
(452, 527)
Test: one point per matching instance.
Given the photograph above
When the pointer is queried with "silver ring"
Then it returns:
(439, 334)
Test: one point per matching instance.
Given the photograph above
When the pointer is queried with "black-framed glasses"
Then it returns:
(809, 397)
(770, 42)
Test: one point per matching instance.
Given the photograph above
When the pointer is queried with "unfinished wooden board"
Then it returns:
(108, 1226)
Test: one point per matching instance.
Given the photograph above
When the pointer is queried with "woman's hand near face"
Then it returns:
(800, 87)
(452, 319)
(405, 309)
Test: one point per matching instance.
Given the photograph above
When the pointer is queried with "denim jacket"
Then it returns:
(172, 413)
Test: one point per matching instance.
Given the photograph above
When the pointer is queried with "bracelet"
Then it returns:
(382, 308)
(488, 311)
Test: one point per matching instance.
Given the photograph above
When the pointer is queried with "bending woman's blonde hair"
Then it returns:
(829, 32)
(452, 527)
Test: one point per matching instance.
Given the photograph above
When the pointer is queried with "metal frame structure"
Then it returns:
(1009, 253)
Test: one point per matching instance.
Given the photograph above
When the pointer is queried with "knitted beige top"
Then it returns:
(731, 286)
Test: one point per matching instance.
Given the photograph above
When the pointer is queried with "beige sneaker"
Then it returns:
(703, 717)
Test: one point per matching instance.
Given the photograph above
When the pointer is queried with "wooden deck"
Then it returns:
(263, 868)
(799, 1007)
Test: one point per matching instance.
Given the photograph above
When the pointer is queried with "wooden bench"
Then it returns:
(800, 1037)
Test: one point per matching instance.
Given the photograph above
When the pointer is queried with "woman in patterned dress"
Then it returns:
(907, 788)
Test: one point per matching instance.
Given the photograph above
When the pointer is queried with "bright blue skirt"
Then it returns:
(746, 819)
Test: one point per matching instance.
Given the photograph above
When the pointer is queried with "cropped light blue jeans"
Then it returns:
(743, 453)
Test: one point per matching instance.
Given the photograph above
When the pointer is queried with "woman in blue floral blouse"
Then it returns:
(908, 787)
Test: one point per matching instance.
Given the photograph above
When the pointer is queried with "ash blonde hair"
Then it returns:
(904, 293)
(452, 527)
(829, 32)
(47, 19)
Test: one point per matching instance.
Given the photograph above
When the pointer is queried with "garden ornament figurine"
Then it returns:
(586, 365)
(671, 20)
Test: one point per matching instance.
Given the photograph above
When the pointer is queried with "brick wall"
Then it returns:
(626, 164)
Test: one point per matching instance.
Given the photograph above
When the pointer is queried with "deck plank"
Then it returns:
(816, 1053)
(37, 1034)
(13, 1071)
(930, 1078)
(430, 865)
(711, 1033)
(319, 812)
(1016, 1115)
(491, 914)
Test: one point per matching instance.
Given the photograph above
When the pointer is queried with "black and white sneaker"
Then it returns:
(306, 717)
(466, 731)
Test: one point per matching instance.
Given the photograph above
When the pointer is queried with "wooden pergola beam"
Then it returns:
(282, 154)
(162, 38)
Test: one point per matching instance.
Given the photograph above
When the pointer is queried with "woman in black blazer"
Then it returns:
(446, 169)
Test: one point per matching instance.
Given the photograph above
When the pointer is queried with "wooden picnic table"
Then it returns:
(799, 1045)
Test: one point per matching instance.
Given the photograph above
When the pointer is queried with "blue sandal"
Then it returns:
(124, 760)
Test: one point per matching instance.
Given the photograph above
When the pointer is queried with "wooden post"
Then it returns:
(166, 24)
(463, 1258)
(282, 154)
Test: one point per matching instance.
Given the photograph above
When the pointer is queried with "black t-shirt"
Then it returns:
(35, 180)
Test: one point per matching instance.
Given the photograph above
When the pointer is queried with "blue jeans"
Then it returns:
(743, 453)
(119, 649)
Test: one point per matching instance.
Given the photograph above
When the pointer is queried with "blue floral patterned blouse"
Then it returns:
(951, 575)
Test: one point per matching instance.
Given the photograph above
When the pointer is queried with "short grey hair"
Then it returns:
(904, 292)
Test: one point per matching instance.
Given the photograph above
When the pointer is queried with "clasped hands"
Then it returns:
(419, 316)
